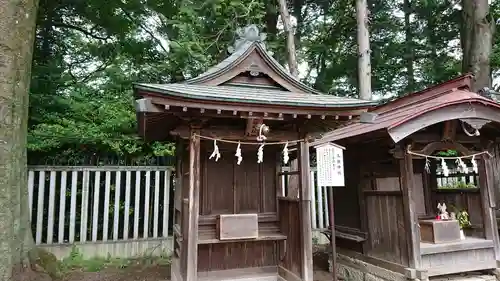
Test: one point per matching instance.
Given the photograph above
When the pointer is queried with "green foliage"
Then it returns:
(458, 185)
(88, 54)
(45, 261)
(76, 261)
(462, 217)
(447, 153)
(315, 241)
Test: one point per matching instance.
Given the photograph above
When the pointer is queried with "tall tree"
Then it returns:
(17, 30)
(409, 52)
(290, 39)
(364, 67)
(293, 184)
(477, 38)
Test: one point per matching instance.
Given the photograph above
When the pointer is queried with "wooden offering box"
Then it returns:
(439, 231)
(237, 226)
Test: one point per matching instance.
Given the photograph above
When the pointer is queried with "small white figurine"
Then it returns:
(443, 214)
(453, 216)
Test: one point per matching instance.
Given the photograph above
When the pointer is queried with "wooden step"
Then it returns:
(244, 274)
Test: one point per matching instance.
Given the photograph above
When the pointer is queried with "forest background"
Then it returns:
(88, 53)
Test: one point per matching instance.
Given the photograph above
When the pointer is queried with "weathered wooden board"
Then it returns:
(458, 261)
(439, 231)
(470, 243)
(234, 255)
(387, 239)
(243, 274)
(237, 226)
(228, 188)
(289, 224)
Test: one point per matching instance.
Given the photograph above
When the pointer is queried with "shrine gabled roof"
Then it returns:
(249, 55)
(239, 53)
(241, 94)
(415, 110)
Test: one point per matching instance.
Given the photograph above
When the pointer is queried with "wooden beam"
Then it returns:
(449, 130)
(257, 108)
(252, 124)
(451, 112)
(179, 155)
(305, 212)
(145, 105)
(410, 217)
(193, 203)
(364, 183)
(441, 146)
(379, 267)
(488, 203)
(229, 133)
(427, 138)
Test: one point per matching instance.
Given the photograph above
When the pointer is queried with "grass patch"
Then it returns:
(76, 261)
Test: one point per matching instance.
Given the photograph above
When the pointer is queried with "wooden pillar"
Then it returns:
(305, 212)
(177, 271)
(410, 217)
(333, 242)
(489, 204)
(365, 183)
(193, 206)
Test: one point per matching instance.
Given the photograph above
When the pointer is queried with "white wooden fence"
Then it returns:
(78, 206)
(319, 202)
(103, 205)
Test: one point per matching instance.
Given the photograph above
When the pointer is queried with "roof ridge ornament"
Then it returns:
(250, 33)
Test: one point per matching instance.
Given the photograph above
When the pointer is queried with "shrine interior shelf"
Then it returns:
(269, 233)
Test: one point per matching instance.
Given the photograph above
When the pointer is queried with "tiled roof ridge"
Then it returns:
(461, 82)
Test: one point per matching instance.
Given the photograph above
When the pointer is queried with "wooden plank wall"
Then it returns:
(386, 227)
(347, 209)
(289, 210)
(228, 188)
(383, 204)
(237, 255)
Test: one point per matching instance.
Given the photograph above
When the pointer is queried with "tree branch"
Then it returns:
(86, 77)
(82, 30)
(149, 32)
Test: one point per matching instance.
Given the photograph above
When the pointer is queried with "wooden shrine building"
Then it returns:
(400, 164)
(232, 221)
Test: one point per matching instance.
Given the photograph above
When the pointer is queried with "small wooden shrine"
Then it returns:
(404, 160)
(235, 125)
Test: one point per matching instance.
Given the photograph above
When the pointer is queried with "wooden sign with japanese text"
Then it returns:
(330, 165)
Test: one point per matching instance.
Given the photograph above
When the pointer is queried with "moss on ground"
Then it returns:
(44, 261)
(76, 261)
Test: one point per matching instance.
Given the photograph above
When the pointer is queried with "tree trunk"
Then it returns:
(293, 183)
(476, 39)
(17, 30)
(271, 18)
(364, 67)
(410, 76)
(290, 41)
(297, 6)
